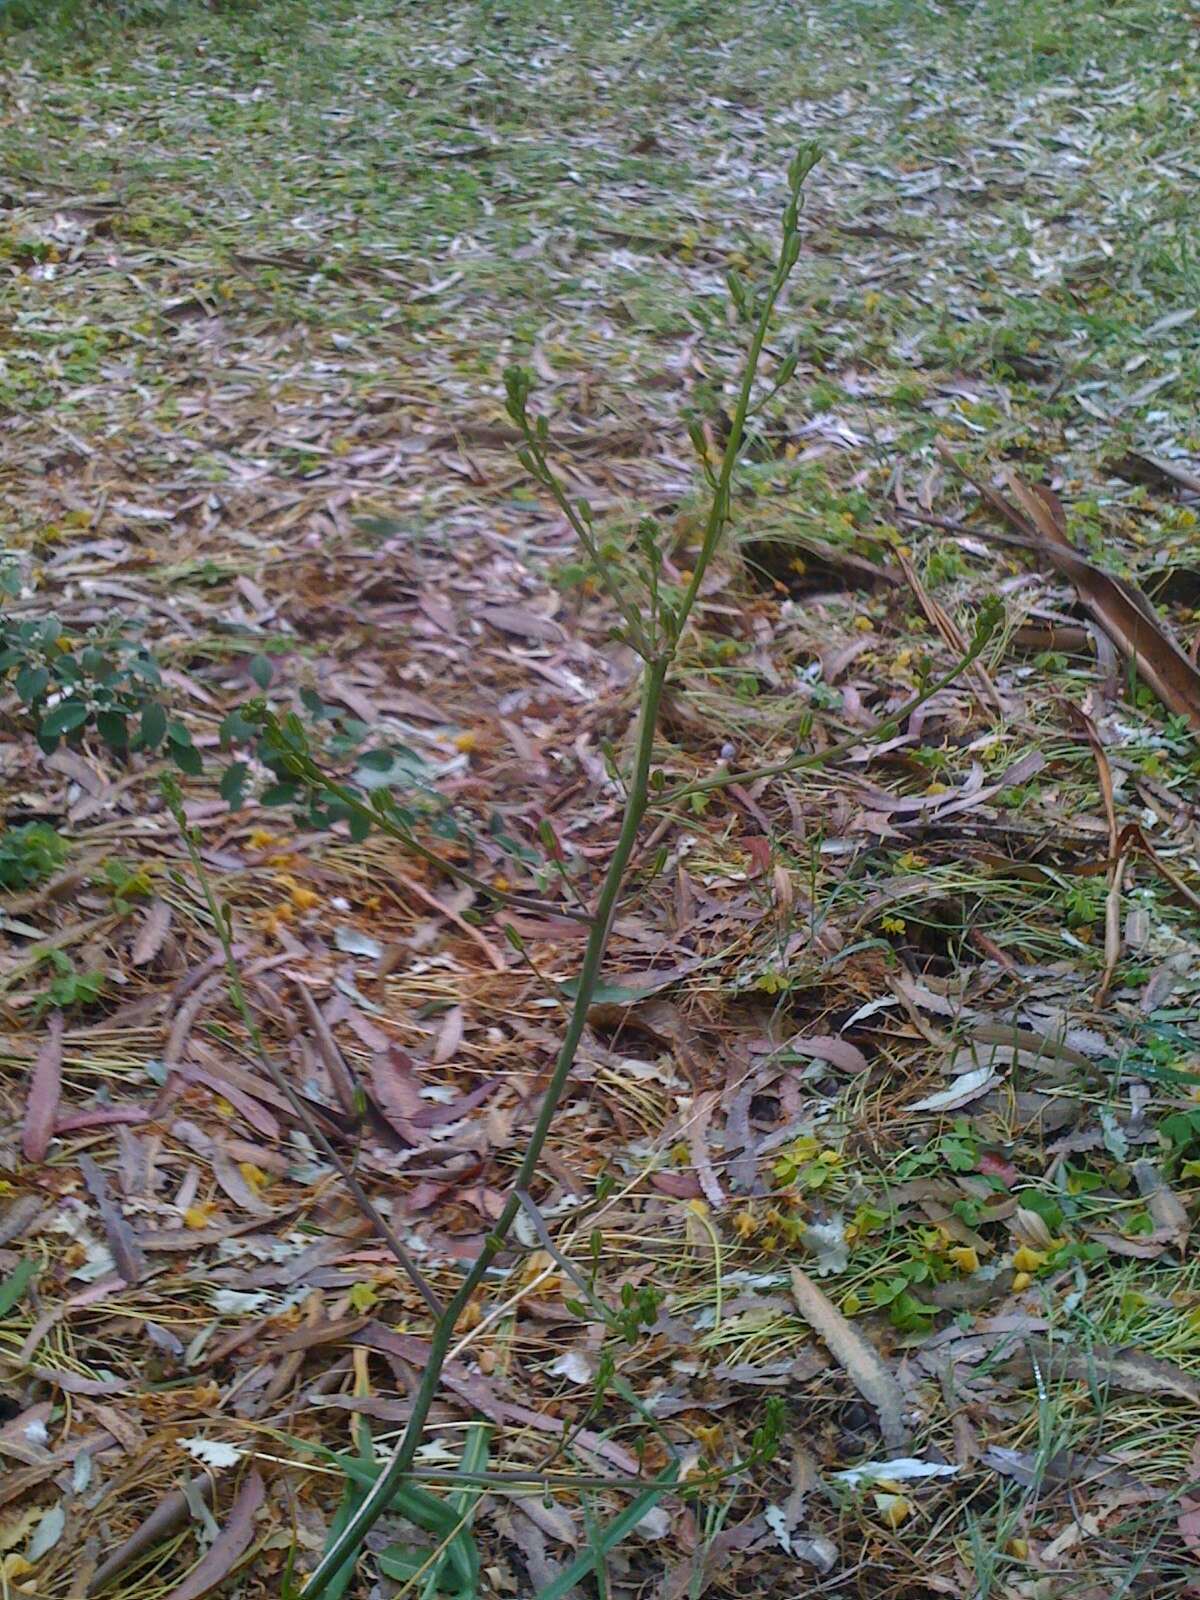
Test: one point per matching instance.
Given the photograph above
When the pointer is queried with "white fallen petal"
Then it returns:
(964, 1089)
(901, 1470)
(574, 1366)
(352, 943)
(212, 1452)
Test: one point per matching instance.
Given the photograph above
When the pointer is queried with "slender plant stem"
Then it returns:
(389, 1480)
(637, 800)
(311, 1127)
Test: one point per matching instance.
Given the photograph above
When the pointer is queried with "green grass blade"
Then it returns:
(460, 1558)
(462, 1551)
(352, 1498)
(14, 1286)
(411, 1501)
(608, 1540)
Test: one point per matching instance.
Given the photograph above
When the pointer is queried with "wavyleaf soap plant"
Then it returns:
(653, 617)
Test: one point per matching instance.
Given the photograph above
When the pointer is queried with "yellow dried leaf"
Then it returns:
(466, 741)
(305, 899)
(965, 1257)
(199, 1216)
(363, 1296)
(254, 1176)
(1027, 1260)
(708, 1438)
(893, 1509)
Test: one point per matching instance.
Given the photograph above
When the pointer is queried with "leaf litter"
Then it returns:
(921, 1024)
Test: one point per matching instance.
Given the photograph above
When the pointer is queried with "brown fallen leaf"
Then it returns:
(335, 1063)
(1120, 607)
(1189, 1507)
(228, 1547)
(860, 1361)
(43, 1094)
(1106, 1367)
(1138, 468)
(19, 1215)
(839, 1053)
(524, 624)
(1164, 1205)
(126, 1252)
(449, 1036)
(150, 936)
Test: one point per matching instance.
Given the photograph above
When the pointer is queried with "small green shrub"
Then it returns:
(108, 682)
(29, 854)
(69, 987)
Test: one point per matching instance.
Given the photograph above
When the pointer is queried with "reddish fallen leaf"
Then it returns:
(839, 1053)
(759, 850)
(100, 1119)
(995, 1166)
(44, 1089)
(396, 1090)
(680, 1185)
(228, 1547)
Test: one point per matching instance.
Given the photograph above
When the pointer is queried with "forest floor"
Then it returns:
(921, 1022)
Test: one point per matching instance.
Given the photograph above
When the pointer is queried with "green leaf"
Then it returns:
(609, 1538)
(235, 729)
(113, 728)
(71, 714)
(280, 794)
(352, 1498)
(233, 785)
(154, 726)
(462, 1551)
(187, 758)
(619, 994)
(30, 683)
(12, 1290)
(262, 672)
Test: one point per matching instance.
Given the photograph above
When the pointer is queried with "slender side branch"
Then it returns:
(988, 619)
(303, 766)
(718, 513)
(311, 1127)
